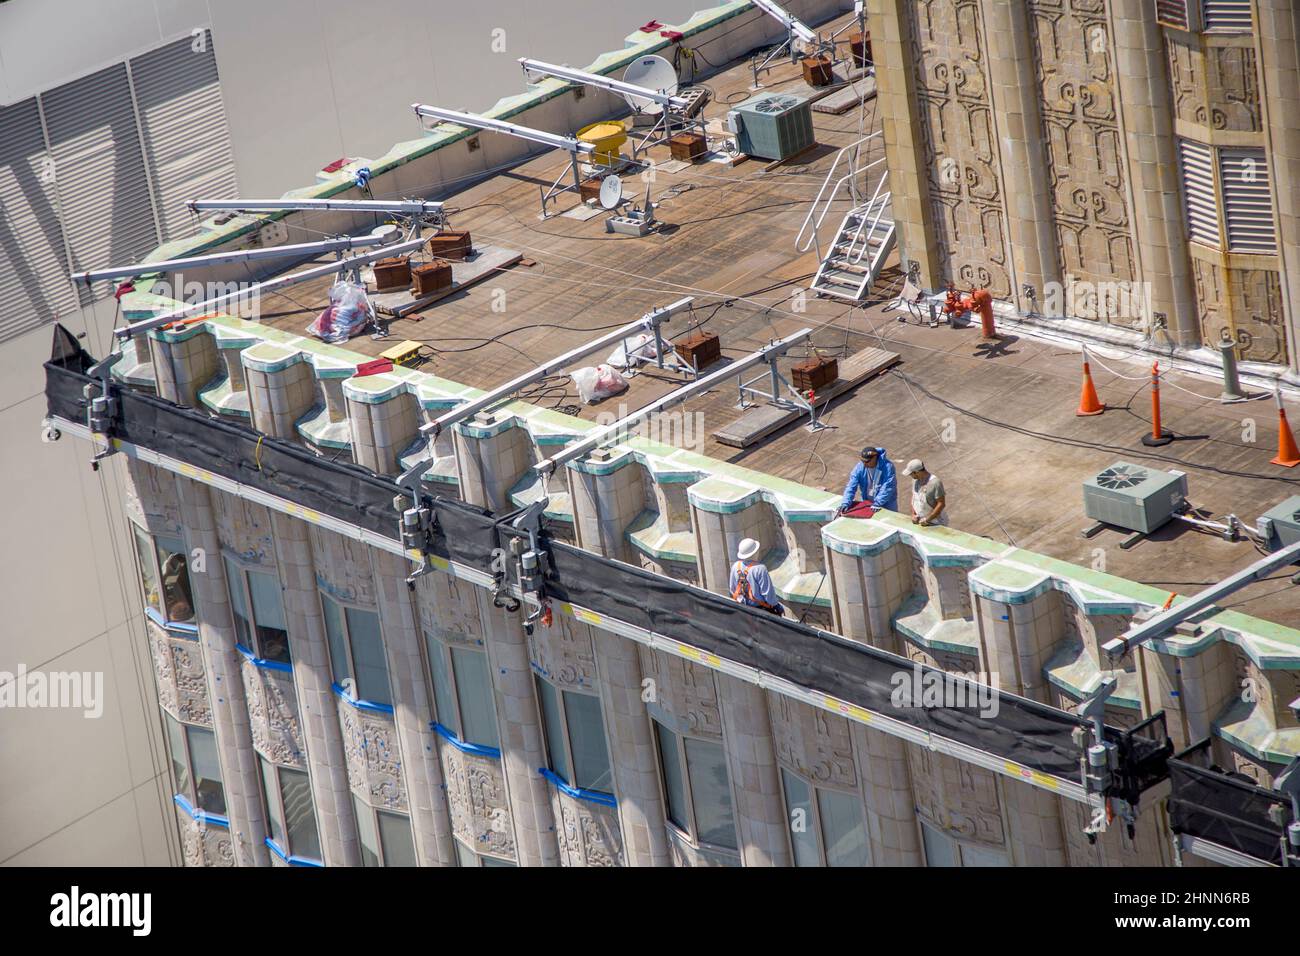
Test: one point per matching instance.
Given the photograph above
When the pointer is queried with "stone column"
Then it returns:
(1015, 95)
(491, 455)
(522, 749)
(761, 822)
(1278, 32)
(312, 680)
(426, 794)
(606, 497)
(221, 664)
(909, 182)
(183, 362)
(1154, 171)
(641, 812)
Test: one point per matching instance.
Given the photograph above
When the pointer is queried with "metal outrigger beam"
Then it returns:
(571, 144)
(618, 430)
(796, 31)
(396, 207)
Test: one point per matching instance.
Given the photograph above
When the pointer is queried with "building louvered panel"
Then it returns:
(1177, 13)
(1199, 193)
(34, 284)
(1227, 16)
(104, 197)
(183, 119)
(1247, 200)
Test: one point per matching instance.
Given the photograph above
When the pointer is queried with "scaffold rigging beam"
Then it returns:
(397, 207)
(667, 100)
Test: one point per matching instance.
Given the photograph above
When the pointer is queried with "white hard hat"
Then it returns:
(914, 466)
(748, 548)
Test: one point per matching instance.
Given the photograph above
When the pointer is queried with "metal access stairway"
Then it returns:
(865, 239)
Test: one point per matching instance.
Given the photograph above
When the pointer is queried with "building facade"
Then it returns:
(1054, 151)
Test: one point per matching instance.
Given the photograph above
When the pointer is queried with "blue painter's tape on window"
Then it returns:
(591, 796)
(188, 631)
(462, 745)
(362, 704)
(202, 816)
(262, 662)
(291, 860)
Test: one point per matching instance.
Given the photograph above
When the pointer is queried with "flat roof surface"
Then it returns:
(997, 425)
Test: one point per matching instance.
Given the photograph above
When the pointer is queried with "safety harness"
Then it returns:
(744, 594)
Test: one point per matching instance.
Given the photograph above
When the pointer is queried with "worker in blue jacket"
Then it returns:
(874, 479)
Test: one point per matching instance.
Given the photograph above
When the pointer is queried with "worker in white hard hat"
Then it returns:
(750, 582)
(928, 499)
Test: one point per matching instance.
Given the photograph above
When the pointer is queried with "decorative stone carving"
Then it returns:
(563, 653)
(273, 715)
(1244, 303)
(1216, 87)
(685, 690)
(244, 528)
(588, 832)
(813, 742)
(149, 496)
(182, 686)
(959, 142)
(448, 609)
(476, 798)
(374, 762)
(203, 845)
(957, 797)
(343, 567)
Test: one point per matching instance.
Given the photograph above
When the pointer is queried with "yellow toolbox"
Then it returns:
(403, 353)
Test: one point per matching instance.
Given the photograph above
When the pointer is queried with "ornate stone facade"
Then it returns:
(588, 832)
(204, 844)
(813, 742)
(273, 715)
(1245, 305)
(182, 684)
(563, 653)
(684, 691)
(476, 799)
(373, 759)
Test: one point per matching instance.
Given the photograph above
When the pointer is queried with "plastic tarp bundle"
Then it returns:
(1034, 735)
(598, 381)
(638, 348)
(1212, 805)
(348, 313)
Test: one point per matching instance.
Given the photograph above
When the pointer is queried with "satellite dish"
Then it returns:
(652, 73)
(611, 192)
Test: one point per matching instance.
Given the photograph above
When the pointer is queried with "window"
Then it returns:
(385, 836)
(462, 692)
(290, 812)
(196, 767)
(696, 787)
(357, 651)
(943, 850)
(1228, 197)
(467, 857)
(257, 605)
(826, 826)
(575, 738)
(165, 578)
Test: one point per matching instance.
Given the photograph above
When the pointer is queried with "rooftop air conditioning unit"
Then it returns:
(1133, 497)
(1281, 525)
(773, 125)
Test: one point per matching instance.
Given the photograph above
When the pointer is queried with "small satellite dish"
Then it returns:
(652, 73)
(611, 192)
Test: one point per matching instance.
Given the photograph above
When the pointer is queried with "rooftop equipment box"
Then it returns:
(1281, 523)
(450, 245)
(773, 125)
(700, 350)
(1134, 497)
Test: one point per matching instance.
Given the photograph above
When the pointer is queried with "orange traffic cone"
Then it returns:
(1288, 455)
(1088, 401)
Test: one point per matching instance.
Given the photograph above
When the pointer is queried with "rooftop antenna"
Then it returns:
(649, 85)
(797, 32)
(574, 146)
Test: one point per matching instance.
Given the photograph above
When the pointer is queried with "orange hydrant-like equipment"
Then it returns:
(952, 305)
(981, 301)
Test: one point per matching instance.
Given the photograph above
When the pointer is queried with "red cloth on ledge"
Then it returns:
(860, 509)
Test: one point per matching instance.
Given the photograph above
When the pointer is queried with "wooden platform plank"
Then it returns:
(847, 96)
(757, 423)
(487, 261)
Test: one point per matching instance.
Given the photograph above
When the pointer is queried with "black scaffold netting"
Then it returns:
(1034, 735)
(1211, 804)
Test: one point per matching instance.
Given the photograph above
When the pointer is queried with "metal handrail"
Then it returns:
(880, 211)
(803, 245)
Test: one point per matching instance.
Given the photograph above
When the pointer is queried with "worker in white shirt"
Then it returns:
(928, 500)
(750, 582)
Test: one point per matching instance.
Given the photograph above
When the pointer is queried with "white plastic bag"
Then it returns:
(598, 381)
(347, 314)
(641, 348)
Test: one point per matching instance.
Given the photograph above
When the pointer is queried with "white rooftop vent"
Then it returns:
(1134, 497)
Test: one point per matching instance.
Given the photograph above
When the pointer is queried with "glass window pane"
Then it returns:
(982, 856)
(368, 655)
(366, 832)
(180, 759)
(299, 814)
(273, 810)
(556, 754)
(268, 614)
(493, 861)
(178, 600)
(464, 855)
(670, 762)
(474, 688)
(939, 849)
(238, 604)
(706, 763)
(148, 575)
(844, 831)
(444, 701)
(340, 664)
(395, 835)
(587, 740)
(799, 812)
(207, 770)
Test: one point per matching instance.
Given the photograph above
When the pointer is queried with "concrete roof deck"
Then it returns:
(997, 425)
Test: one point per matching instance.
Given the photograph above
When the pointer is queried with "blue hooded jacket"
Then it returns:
(879, 484)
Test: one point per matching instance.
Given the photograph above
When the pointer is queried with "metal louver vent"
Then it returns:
(776, 104)
(1247, 200)
(1228, 16)
(1122, 476)
(1177, 13)
(1199, 192)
